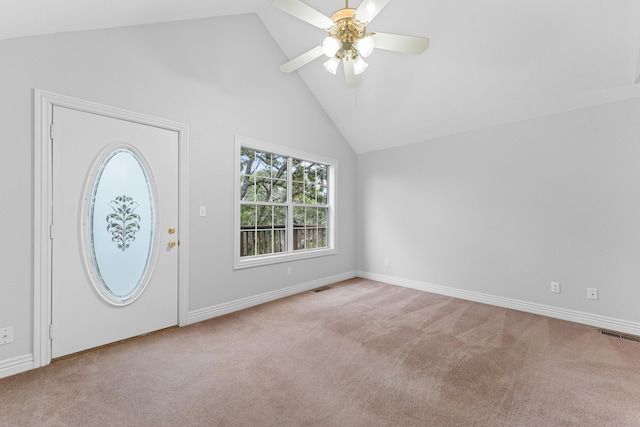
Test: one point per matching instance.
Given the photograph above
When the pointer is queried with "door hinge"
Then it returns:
(51, 131)
(51, 231)
(50, 332)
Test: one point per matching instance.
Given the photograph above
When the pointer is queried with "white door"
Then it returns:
(115, 237)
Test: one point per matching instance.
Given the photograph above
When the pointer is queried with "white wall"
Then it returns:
(505, 211)
(220, 76)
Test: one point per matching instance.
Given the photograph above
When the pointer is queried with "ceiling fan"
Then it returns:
(348, 40)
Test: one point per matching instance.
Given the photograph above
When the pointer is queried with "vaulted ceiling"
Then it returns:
(490, 62)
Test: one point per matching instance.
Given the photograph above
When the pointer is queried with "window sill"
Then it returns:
(262, 260)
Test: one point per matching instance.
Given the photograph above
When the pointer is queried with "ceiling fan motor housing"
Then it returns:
(347, 30)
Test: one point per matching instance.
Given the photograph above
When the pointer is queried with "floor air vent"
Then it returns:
(323, 288)
(620, 335)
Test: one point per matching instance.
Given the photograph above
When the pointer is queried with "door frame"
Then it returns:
(44, 102)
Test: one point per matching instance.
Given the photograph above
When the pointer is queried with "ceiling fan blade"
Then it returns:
(349, 74)
(301, 60)
(368, 9)
(400, 43)
(304, 12)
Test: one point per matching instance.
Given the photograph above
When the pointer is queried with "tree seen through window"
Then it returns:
(281, 195)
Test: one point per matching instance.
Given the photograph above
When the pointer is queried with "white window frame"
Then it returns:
(290, 255)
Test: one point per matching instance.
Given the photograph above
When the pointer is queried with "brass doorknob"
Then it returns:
(171, 230)
(171, 243)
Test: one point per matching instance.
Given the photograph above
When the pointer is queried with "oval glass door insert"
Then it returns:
(121, 226)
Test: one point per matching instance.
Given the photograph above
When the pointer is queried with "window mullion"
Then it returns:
(289, 205)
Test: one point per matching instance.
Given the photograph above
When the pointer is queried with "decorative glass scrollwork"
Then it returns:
(123, 222)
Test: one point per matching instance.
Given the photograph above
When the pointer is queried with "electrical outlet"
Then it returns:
(6, 335)
(555, 287)
(289, 271)
(387, 262)
(592, 293)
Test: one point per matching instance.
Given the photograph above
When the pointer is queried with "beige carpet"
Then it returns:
(361, 353)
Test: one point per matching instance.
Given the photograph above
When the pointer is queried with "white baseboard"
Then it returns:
(16, 365)
(240, 304)
(604, 322)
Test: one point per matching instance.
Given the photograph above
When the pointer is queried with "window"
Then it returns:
(120, 225)
(284, 204)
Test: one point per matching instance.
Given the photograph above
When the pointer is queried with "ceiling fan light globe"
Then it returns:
(359, 65)
(330, 46)
(332, 64)
(365, 46)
